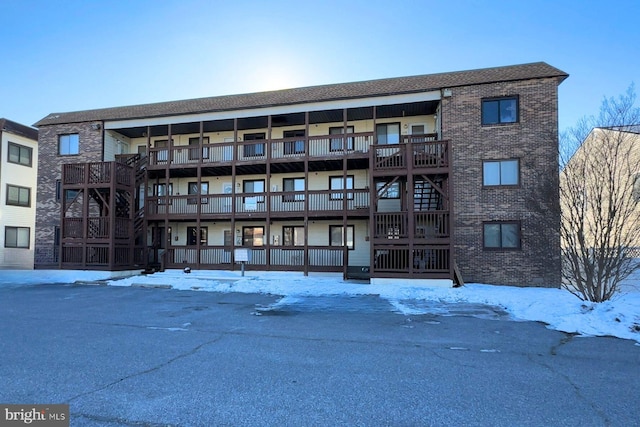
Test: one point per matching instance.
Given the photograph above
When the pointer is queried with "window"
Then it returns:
(337, 144)
(501, 235)
(500, 110)
(19, 154)
(192, 236)
(294, 147)
(255, 149)
(193, 189)
(18, 196)
(253, 186)
(417, 129)
(160, 190)
(391, 192)
(293, 184)
(337, 236)
(162, 155)
(16, 237)
(388, 133)
(500, 172)
(252, 236)
(293, 236)
(341, 183)
(69, 145)
(194, 150)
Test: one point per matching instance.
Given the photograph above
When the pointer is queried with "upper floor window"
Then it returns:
(388, 133)
(256, 149)
(341, 183)
(194, 148)
(16, 237)
(18, 196)
(69, 145)
(194, 188)
(500, 110)
(294, 147)
(20, 154)
(500, 172)
(387, 190)
(339, 143)
(501, 235)
(291, 185)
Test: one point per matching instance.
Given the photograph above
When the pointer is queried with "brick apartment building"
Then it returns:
(425, 177)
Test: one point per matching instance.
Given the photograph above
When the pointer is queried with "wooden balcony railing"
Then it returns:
(258, 151)
(97, 173)
(97, 228)
(427, 225)
(429, 154)
(423, 259)
(249, 203)
(290, 258)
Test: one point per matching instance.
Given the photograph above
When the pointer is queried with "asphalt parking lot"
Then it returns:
(125, 356)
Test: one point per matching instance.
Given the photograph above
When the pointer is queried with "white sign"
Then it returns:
(241, 255)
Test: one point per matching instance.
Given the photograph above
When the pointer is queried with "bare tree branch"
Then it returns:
(600, 160)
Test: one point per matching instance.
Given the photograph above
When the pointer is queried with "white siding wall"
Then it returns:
(17, 216)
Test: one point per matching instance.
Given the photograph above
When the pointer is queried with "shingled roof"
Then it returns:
(16, 128)
(331, 92)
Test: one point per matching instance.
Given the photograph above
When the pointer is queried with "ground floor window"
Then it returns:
(501, 235)
(16, 237)
(192, 236)
(293, 236)
(252, 236)
(338, 237)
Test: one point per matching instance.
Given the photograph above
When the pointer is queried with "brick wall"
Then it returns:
(534, 141)
(50, 170)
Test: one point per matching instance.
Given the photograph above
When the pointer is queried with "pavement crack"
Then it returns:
(147, 371)
(566, 339)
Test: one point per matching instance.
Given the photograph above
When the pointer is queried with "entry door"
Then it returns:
(161, 237)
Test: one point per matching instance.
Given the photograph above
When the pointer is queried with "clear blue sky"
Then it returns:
(72, 55)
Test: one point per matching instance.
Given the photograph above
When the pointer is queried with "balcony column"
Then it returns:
(410, 201)
(306, 194)
(267, 227)
(199, 202)
(112, 213)
(145, 204)
(373, 197)
(234, 157)
(345, 200)
(168, 243)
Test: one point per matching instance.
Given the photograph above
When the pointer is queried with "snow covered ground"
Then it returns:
(562, 311)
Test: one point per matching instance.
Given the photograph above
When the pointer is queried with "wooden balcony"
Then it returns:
(290, 258)
(281, 204)
(97, 174)
(354, 145)
(393, 227)
(424, 261)
(96, 228)
(417, 155)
